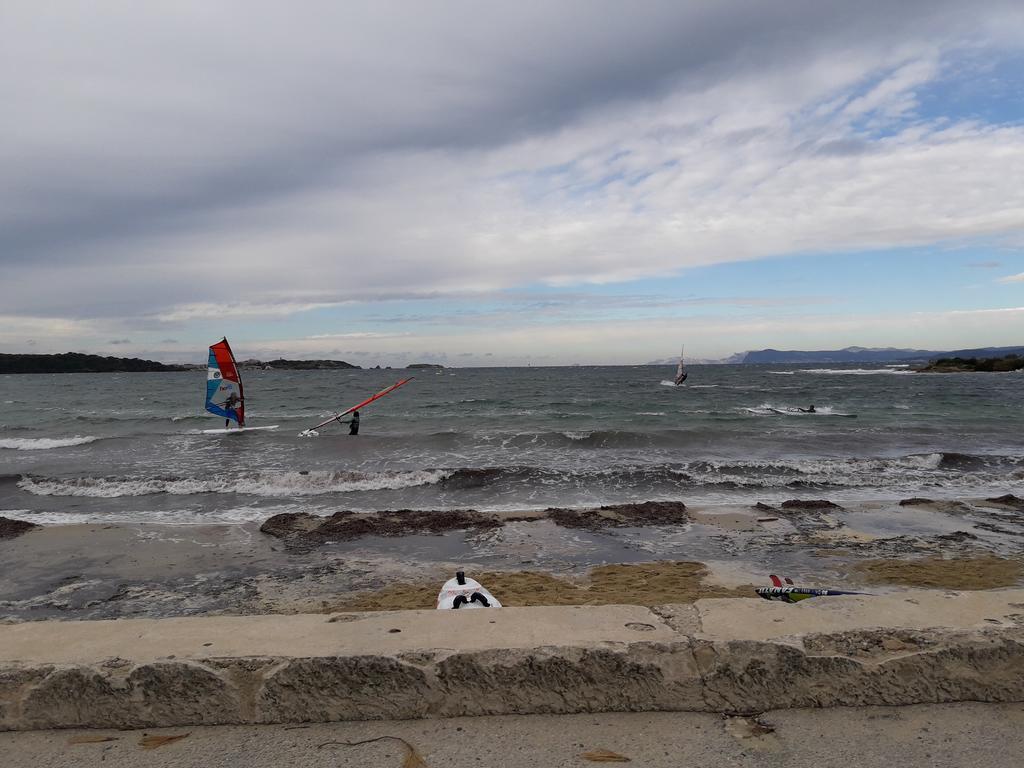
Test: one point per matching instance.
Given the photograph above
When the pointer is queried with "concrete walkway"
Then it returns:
(712, 656)
(929, 736)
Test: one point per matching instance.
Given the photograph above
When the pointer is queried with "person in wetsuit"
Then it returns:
(353, 423)
(230, 404)
(807, 410)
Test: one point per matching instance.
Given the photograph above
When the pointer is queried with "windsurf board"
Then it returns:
(235, 430)
(462, 592)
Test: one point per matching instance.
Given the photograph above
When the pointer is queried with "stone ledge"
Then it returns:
(714, 655)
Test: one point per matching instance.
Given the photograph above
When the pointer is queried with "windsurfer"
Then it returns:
(230, 404)
(354, 422)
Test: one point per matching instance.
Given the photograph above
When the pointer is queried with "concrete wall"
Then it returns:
(715, 655)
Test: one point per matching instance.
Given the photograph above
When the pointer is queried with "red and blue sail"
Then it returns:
(224, 395)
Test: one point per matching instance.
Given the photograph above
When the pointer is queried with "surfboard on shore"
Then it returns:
(461, 592)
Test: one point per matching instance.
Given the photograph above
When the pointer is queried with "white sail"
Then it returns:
(681, 369)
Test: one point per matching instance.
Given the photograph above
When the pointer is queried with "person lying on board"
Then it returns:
(807, 410)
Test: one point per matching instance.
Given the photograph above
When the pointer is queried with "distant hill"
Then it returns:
(974, 364)
(299, 365)
(76, 362)
(867, 355)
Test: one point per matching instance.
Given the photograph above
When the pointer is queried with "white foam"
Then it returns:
(43, 443)
(268, 484)
(180, 517)
(650, 413)
(858, 371)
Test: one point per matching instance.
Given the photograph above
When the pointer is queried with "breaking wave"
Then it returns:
(859, 371)
(43, 443)
(940, 470)
(270, 484)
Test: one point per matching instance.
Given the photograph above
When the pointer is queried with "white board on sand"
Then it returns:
(460, 592)
(234, 430)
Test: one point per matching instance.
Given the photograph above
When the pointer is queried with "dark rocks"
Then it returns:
(307, 529)
(10, 528)
(764, 507)
(1009, 500)
(620, 515)
(912, 502)
(809, 504)
(290, 523)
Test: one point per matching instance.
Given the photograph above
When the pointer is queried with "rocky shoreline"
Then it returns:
(397, 559)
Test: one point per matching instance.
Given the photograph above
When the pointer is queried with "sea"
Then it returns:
(129, 448)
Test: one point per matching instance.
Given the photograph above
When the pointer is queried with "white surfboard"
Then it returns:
(460, 593)
(235, 430)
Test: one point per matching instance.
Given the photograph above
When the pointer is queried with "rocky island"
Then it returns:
(76, 362)
(974, 364)
(299, 365)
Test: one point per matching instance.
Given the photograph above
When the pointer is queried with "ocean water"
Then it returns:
(127, 447)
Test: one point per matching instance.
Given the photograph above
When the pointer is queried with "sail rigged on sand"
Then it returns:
(224, 395)
(681, 373)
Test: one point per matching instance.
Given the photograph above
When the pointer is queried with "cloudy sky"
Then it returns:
(484, 183)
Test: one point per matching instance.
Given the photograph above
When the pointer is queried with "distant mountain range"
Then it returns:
(866, 355)
(847, 355)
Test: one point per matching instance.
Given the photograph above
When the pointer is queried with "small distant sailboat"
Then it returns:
(681, 373)
(224, 395)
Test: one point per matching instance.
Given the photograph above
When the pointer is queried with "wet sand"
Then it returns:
(642, 553)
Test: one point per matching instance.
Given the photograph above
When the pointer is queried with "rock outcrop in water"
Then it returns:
(10, 528)
(809, 504)
(620, 515)
(304, 529)
(1009, 500)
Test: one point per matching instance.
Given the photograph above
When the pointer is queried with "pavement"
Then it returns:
(937, 736)
(715, 655)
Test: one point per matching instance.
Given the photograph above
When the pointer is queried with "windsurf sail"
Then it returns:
(224, 395)
(787, 593)
(681, 373)
(367, 401)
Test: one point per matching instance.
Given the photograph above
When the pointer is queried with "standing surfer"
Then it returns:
(681, 373)
(230, 404)
(354, 422)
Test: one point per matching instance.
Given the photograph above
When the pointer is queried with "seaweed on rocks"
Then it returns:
(620, 515)
(304, 529)
(10, 528)
(809, 504)
(1008, 500)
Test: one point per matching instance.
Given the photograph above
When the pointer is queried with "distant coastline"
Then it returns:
(974, 364)
(76, 362)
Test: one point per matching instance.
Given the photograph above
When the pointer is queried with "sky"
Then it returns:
(477, 183)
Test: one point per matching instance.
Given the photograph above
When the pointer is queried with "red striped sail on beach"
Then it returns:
(224, 395)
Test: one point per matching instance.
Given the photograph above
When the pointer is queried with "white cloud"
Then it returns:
(340, 153)
(1018, 278)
